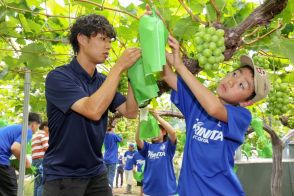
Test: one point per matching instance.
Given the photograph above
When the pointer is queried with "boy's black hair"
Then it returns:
(166, 135)
(34, 117)
(252, 72)
(90, 25)
(110, 127)
(43, 124)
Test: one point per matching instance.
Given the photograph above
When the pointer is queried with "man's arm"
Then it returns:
(129, 109)
(93, 107)
(211, 104)
(169, 129)
(16, 149)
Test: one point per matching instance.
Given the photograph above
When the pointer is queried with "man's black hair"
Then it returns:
(34, 117)
(252, 72)
(90, 25)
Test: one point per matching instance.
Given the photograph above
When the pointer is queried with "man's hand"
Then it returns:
(129, 57)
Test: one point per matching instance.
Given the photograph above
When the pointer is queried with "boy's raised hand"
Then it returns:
(148, 10)
(154, 113)
(174, 60)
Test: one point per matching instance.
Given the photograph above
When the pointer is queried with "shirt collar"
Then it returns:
(81, 72)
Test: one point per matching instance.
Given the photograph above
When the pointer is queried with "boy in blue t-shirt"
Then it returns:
(159, 176)
(120, 170)
(139, 163)
(129, 160)
(215, 125)
(10, 144)
(111, 141)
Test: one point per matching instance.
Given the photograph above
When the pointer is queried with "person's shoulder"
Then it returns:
(40, 133)
(11, 128)
(15, 127)
(59, 69)
(238, 111)
(57, 72)
(238, 108)
(64, 72)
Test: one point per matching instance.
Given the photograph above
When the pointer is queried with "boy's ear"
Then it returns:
(246, 103)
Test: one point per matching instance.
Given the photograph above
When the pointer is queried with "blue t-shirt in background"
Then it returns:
(159, 176)
(129, 156)
(75, 141)
(111, 147)
(9, 135)
(139, 161)
(120, 163)
(208, 160)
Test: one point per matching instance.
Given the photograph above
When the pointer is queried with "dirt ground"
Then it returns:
(120, 191)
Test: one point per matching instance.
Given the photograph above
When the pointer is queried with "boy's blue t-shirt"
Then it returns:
(139, 161)
(9, 135)
(208, 161)
(159, 176)
(111, 148)
(129, 155)
(120, 163)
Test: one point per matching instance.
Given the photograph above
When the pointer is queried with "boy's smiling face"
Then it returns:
(236, 87)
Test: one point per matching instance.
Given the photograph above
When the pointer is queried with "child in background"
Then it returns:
(120, 171)
(39, 147)
(159, 177)
(129, 155)
(111, 141)
(139, 162)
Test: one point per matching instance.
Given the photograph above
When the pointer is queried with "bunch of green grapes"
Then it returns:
(123, 84)
(261, 62)
(210, 45)
(279, 99)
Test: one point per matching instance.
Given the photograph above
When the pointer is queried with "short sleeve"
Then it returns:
(62, 91)
(183, 98)
(29, 137)
(144, 150)
(171, 148)
(118, 138)
(239, 119)
(116, 102)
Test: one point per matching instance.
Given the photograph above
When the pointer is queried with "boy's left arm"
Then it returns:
(129, 109)
(211, 104)
(169, 129)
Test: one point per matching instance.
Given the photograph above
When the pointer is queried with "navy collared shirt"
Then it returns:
(75, 141)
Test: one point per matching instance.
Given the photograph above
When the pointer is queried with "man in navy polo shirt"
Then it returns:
(78, 101)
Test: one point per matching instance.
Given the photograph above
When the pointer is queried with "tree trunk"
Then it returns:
(277, 168)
